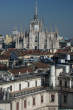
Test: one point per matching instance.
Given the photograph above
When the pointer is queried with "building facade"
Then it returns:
(52, 90)
(37, 38)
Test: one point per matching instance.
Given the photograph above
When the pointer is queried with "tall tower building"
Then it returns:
(37, 38)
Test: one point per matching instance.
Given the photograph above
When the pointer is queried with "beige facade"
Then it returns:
(37, 90)
(5, 106)
(45, 105)
(7, 39)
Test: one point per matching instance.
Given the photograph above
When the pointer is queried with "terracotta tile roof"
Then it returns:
(37, 52)
(3, 67)
(3, 57)
(20, 70)
(64, 50)
(41, 65)
(34, 66)
(20, 53)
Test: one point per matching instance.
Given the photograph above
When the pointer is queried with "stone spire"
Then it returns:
(36, 11)
(56, 29)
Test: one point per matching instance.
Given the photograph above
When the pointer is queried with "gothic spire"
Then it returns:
(36, 11)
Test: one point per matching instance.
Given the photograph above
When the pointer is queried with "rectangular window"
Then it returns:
(33, 101)
(10, 88)
(52, 98)
(36, 83)
(42, 99)
(25, 104)
(28, 84)
(66, 84)
(36, 47)
(65, 98)
(17, 106)
(60, 82)
(19, 86)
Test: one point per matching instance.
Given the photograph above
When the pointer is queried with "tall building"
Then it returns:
(38, 38)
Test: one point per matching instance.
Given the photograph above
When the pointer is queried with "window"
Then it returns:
(65, 98)
(33, 101)
(28, 84)
(10, 88)
(36, 83)
(19, 86)
(25, 104)
(36, 47)
(17, 106)
(36, 39)
(52, 98)
(60, 82)
(42, 99)
(66, 84)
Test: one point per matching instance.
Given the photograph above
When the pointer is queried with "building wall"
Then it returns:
(24, 84)
(45, 105)
(8, 39)
(4, 61)
(69, 100)
(41, 40)
(5, 106)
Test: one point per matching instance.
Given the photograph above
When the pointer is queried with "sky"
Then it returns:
(56, 14)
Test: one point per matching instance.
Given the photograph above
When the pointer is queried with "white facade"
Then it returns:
(37, 37)
(32, 90)
(24, 85)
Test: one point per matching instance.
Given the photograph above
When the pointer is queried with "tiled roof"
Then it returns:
(3, 57)
(3, 67)
(20, 53)
(64, 50)
(20, 70)
(41, 65)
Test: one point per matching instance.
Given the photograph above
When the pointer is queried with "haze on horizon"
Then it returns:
(19, 13)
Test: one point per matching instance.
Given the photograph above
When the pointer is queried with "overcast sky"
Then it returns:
(19, 13)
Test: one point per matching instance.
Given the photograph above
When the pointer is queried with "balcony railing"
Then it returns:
(26, 92)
